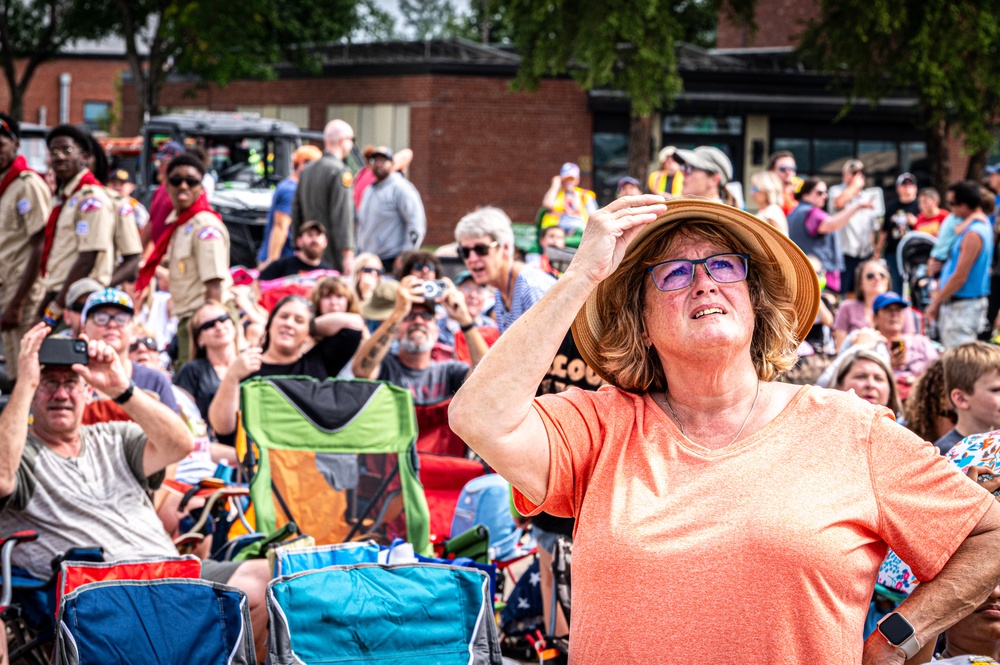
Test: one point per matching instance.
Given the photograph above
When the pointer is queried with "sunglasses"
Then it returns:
(147, 342)
(677, 274)
(787, 169)
(177, 181)
(422, 266)
(820, 192)
(211, 323)
(876, 275)
(371, 271)
(104, 318)
(480, 248)
(78, 306)
(423, 315)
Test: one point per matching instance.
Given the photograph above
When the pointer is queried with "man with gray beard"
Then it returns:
(412, 322)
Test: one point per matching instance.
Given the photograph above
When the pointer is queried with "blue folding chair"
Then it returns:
(408, 614)
(159, 622)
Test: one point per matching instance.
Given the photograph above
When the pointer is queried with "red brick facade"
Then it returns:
(94, 79)
(474, 141)
(779, 23)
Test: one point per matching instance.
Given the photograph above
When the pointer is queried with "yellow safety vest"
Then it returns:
(552, 217)
(658, 183)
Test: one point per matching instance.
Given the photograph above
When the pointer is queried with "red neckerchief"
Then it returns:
(50, 225)
(160, 248)
(19, 164)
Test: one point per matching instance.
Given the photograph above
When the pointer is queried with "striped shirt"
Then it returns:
(529, 287)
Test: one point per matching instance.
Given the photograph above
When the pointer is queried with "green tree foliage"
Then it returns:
(946, 51)
(374, 24)
(35, 31)
(428, 19)
(486, 21)
(626, 45)
(219, 41)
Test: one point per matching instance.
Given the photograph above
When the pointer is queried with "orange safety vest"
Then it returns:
(658, 183)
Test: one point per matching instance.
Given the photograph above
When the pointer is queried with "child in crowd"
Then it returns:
(972, 379)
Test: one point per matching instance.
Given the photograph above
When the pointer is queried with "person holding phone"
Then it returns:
(696, 467)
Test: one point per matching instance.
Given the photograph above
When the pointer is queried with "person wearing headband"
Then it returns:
(25, 203)
(744, 516)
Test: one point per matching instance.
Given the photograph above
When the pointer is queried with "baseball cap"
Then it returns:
(311, 224)
(707, 158)
(906, 177)
(169, 150)
(80, 288)
(462, 277)
(886, 299)
(569, 170)
(119, 174)
(628, 180)
(383, 151)
(108, 298)
(664, 153)
(993, 169)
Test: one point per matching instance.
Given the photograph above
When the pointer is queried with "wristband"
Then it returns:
(127, 395)
(468, 327)
(50, 317)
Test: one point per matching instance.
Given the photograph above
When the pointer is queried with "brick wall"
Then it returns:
(93, 80)
(779, 23)
(474, 141)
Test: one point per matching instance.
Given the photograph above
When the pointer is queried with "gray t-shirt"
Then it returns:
(433, 385)
(96, 498)
(948, 441)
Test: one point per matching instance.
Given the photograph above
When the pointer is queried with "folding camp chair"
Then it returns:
(409, 614)
(124, 612)
(326, 455)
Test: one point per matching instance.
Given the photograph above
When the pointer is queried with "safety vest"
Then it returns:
(658, 183)
(558, 216)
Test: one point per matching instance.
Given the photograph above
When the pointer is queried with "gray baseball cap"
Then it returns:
(80, 288)
(707, 158)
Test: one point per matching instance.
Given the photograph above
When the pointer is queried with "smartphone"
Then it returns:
(56, 351)
(988, 476)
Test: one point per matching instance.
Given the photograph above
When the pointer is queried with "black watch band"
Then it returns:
(127, 395)
(468, 327)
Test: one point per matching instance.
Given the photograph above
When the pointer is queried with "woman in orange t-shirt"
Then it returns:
(719, 512)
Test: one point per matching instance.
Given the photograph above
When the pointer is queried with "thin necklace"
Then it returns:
(507, 292)
(742, 427)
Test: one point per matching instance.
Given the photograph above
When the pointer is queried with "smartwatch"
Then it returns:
(127, 395)
(899, 633)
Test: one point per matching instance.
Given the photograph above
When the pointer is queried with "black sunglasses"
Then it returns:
(177, 181)
(147, 342)
(369, 270)
(211, 323)
(481, 249)
(423, 265)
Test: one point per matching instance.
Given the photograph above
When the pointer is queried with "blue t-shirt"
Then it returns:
(977, 284)
(284, 194)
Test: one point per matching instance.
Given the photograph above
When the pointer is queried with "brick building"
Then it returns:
(475, 141)
(78, 87)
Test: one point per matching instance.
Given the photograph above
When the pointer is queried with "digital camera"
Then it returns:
(432, 290)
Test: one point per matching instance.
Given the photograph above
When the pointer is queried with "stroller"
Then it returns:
(912, 255)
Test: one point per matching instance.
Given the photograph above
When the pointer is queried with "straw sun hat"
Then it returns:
(768, 248)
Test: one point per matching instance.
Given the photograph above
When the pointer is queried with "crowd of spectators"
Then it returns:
(165, 315)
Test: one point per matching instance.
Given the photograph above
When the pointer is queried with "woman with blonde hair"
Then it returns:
(368, 271)
(767, 191)
(696, 467)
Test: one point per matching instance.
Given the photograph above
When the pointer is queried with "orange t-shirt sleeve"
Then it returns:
(575, 432)
(926, 506)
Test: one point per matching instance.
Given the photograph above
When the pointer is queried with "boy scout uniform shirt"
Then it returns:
(198, 252)
(127, 241)
(24, 209)
(86, 224)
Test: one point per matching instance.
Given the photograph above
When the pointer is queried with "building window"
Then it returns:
(96, 115)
